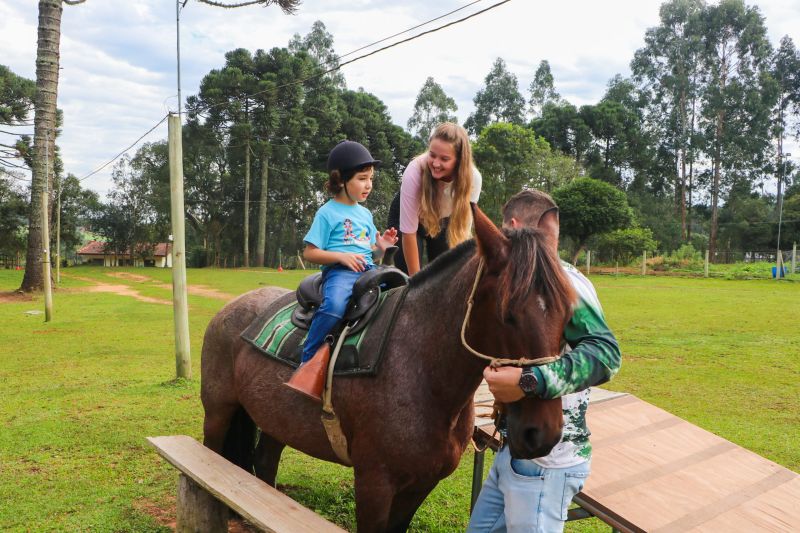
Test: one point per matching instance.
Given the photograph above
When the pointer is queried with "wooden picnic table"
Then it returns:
(655, 472)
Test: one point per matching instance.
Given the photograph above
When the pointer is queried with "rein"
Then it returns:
(495, 362)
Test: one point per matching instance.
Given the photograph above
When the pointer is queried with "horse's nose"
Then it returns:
(531, 444)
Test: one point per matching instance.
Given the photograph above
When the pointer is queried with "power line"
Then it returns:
(405, 31)
(98, 169)
(333, 69)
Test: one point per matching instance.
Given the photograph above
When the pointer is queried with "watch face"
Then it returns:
(527, 382)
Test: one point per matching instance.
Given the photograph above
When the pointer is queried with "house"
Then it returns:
(95, 253)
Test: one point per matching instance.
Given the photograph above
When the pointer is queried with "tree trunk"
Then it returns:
(261, 246)
(47, 58)
(247, 203)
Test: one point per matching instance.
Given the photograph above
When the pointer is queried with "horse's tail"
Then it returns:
(240, 441)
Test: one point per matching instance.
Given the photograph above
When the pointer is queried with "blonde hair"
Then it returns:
(458, 230)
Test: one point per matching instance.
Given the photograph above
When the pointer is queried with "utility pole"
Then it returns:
(180, 304)
(58, 232)
(178, 8)
(48, 290)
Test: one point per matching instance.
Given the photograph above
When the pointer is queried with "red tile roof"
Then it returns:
(98, 248)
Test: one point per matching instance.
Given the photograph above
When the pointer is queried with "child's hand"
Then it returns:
(389, 238)
(354, 262)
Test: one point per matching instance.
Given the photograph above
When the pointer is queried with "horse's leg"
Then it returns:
(216, 424)
(404, 506)
(267, 457)
(374, 495)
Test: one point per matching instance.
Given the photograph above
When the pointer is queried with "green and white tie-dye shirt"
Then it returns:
(591, 357)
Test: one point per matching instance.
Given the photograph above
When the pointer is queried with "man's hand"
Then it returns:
(504, 383)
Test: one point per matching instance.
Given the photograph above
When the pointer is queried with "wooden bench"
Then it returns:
(209, 485)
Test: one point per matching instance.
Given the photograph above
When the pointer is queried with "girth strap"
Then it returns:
(329, 419)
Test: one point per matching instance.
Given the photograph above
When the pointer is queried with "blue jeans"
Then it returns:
(337, 288)
(521, 496)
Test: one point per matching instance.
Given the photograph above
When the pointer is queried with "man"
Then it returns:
(534, 494)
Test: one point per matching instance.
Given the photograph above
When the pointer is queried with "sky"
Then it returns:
(118, 58)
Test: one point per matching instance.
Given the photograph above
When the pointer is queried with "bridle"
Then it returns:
(496, 362)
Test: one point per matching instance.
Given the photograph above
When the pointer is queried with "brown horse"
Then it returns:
(407, 427)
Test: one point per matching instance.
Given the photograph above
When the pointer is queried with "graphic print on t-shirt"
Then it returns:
(350, 237)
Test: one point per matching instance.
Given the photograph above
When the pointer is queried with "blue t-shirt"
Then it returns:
(339, 227)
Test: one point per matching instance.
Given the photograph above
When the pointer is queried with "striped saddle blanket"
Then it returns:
(274, 335)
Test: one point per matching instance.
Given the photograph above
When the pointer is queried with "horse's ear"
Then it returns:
(492, 244)
(549, 225)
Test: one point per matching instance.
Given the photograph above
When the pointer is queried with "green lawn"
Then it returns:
(80, 393)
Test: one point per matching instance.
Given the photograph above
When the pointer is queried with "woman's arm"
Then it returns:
(410, 252)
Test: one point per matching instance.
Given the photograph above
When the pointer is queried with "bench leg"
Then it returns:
(477, 478)
(199, 511)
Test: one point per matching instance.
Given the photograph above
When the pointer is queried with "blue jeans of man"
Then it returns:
(521, 496)
(337, 288)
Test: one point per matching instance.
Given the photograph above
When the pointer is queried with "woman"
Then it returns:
(432, 207)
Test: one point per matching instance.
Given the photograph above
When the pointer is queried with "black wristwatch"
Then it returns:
(527, 381)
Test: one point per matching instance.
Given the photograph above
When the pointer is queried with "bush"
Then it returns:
(624, 245)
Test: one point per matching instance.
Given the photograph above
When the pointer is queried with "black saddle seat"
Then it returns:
(366, 292)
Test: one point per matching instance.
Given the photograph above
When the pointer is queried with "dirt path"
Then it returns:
(197, 290)
(14, 297)
(126, 290)
(122, 290)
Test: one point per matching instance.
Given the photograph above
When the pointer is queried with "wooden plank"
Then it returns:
(660, 473)
(262, 505)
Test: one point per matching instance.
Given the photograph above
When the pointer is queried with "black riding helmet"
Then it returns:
(349, 155)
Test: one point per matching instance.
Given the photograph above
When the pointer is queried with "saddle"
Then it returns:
(366, 293)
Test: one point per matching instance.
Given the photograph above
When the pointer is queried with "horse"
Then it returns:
(408, 426)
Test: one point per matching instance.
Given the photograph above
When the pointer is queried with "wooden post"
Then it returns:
(588, 262)
(58, 233)
(705, 266)
(180, 303)
(794, 258)
(48, 290)
(644, 263)
(198, 510)
(300, 259)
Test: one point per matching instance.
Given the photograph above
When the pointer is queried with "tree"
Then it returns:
(79, 207)
(737, 98)
(432, 107)
(512, 158)
(499, 101)
(786, 72)
(318, 44)
(668, 69)
(564, 128)
(589, 207)
(542, 90)
(44, 132)
(16, 103)
(13, 209)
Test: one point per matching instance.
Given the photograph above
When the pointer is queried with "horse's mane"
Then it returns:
(453, 257)
(532, 265)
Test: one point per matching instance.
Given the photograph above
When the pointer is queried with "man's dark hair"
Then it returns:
(527, 206)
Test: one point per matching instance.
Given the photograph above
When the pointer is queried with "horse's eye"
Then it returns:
(510, 320)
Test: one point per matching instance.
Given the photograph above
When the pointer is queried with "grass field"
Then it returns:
(80, 393)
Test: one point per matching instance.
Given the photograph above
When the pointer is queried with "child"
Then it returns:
(342, 238)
